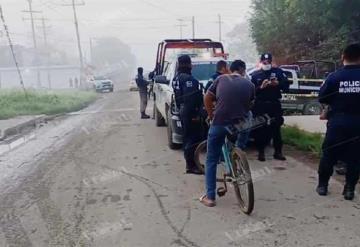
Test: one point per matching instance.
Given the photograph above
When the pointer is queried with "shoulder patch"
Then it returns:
(189, 84)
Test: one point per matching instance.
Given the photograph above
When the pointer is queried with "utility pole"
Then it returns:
(220, 27)
(193, 27)
(91, 50)
(44, 28)
(74, 4)
(32, 12)
(181, 25)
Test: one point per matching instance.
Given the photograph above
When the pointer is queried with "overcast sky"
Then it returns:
(139, 23)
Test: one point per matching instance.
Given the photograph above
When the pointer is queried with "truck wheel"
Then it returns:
(312, 108)
(172, 145)
(159, 120)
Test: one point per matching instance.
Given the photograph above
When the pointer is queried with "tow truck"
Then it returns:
(205, 54)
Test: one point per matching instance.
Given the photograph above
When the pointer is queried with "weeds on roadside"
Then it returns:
(14, 102)
(303, 140)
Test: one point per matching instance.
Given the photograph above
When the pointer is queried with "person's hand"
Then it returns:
(265, 83)
(274, 82)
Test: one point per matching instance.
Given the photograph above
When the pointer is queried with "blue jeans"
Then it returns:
(216, 140)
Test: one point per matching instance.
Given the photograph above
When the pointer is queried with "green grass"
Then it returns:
(303, 140)
(14, 102)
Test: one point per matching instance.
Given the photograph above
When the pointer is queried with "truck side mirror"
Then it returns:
(161, 79)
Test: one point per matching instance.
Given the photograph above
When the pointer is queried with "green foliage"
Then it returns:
(299, 29)
(16, 103)
(302, 140)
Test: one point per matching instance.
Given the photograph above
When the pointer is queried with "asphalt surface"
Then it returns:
(103, 177)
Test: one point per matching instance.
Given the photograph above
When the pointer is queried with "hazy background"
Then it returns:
(141, 24)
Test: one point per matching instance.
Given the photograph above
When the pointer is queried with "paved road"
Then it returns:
(103, 177)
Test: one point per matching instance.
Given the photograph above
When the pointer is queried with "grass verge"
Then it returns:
(303, 140)
(14, 102)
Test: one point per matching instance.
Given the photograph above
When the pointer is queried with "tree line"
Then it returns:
(304, 29)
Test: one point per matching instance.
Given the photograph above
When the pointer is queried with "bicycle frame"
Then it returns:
(226, 150)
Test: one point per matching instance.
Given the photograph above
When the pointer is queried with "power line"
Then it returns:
(12, 49)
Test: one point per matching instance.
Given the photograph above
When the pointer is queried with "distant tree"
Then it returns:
(113, 58)
(296, 29)
(241, 44)
(110, 51)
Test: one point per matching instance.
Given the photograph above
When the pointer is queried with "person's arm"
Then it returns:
(209, 99)
(284, 83)
(259, 84)
(327, 91)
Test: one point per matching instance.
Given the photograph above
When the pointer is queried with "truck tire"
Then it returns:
(159, 120)
(172, 145)
(312, 108)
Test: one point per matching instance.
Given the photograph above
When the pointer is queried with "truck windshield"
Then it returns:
(204, 71)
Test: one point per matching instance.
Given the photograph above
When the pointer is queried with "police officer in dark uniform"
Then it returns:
(269, 83)
(341, 91)
(189, 99)
(221, 68)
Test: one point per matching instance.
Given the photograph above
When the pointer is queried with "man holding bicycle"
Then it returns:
(233, 95)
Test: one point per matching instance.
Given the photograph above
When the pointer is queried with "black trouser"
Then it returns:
(192, 136)
(265, 134)
(341, 142)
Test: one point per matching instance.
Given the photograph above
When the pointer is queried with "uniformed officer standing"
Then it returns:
(143, 92)
(269, 83)
(341, 91)
(189, 99)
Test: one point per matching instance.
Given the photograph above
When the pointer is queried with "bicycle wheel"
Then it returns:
(200, 155)
(243, 184)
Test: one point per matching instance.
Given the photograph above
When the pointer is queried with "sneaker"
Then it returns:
(144, 116)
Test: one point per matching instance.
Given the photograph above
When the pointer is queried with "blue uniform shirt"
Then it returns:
(341, 91)
(270, 93)
(211, 81)
(187, 92)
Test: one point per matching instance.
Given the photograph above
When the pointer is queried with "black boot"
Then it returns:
(322, 188)
(144, 116)
(279, 156)
(349, 192)
(261, 156)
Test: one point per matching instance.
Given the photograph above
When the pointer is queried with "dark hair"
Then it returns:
(221, 65)
(352, 53)
(238, 65)
(184, 64)
(140, 70)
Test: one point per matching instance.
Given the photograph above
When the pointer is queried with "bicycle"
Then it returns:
(236, 166)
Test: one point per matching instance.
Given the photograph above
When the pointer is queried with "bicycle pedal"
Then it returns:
(221, 191)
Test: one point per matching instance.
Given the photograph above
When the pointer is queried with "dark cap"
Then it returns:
(266, 56)
(184, 60)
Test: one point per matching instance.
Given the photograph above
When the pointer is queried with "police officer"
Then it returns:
(269, 83)
(341, 91)
(189, 99)
(143, 92)
(221, 69)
